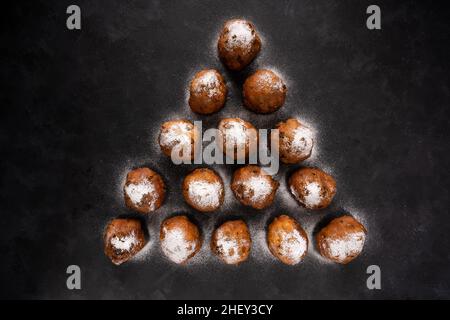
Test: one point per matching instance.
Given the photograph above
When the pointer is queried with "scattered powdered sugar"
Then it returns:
(124, 243)
(302, 141)
(351, 245)
(205, 194)
(208, 83)
(235, 132)
(230, 247)
(292, 245)
(240, 35)
(177, 134)
(267, 79)
(257, 188)
(136, 193)
(175, 246)
(312, 195)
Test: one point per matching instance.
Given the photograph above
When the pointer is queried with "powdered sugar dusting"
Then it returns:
(257, 188)
(312, 196)
(125, 243)
(230, 247)
(240, 35)
(175, 246)
(302, 142)
(176, 134)
(208, 83)
(351, 245)
(235, 132)
(205, 194)
(267, 78)
(292, 245)
(137, 192)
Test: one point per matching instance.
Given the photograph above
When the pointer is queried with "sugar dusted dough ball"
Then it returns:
(237, 134)
(342, 240)
(123, 239)
(180, 239)
(203, 190)
(231, 242)
(207, 92)
(144, 190)
(295, 141)
(287, 240)
(179, 134)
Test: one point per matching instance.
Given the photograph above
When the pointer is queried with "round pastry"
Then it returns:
(207, 92)
(203, 190)
(312, 187)
(231, 242)
(295, 141)
(180, 135)
(180, 239)
(342, 240)
(287, 240)
(264, 92)
(235, 136)
(123, 239)
(253, 187)
(238, 44)
(144, 190)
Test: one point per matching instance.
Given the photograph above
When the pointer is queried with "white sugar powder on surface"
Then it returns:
(240, 36)
(176, 134)
(235, 133)
(175, 246)
(292, 245)
(312, 195)
(205, 194)
(266, 79)
(208, 83)
(229, 247)
(124, 243)
(136, 193)
(302, 141)
(257, 188)
(351, 245)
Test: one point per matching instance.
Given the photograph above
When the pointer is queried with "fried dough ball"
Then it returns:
(203, 190)
(207, 92)
(180, 136)
(235, 136)
(231, 242)
(295, 141)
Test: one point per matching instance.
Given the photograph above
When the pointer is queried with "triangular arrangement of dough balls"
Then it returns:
(264, 92)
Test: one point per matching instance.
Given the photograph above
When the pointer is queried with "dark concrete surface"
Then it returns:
(80, 108)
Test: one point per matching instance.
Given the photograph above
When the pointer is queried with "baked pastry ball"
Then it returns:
(207, 92)
(295, 141)
(178, 134)
(287, 240)
(231, 242)
(123, 239)
(342, 240)
(253, 187)
(312, 187)
(235, 136)
(203, 190)
(180, 239)
(144, 190)
(264, 92)
(238, 44)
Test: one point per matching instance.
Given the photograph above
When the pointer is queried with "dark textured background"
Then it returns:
(80, 108)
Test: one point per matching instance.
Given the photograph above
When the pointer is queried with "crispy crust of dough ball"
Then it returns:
(342, 240)
(123, 239)
(237, 135)
(179, 134)
(231, 242)
(180, 239)
(295, 142)
(253, 187)
(264, 92)
(238, 44)
(207, 92)
(312, 187)
(287, 240)
(144, 190)
(203, 190)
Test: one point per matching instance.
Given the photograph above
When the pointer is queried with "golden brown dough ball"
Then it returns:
(123, 239)
(264, 92)
(180, 239)
(207, 92)
(295, 141)
(342, 240)
(203, 190)
(144, 190)
(231, 242)
(237, 134)
(238, 44)
(179, 134)
(287, 240)
(312, 187)
(253, 187)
